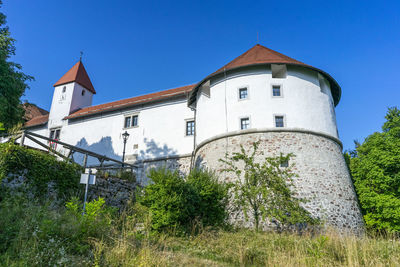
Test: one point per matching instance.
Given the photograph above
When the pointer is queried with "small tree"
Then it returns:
(263, 189)
(13, 82)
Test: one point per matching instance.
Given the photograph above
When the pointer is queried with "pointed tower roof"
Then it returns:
(261, 55)
(77, 74)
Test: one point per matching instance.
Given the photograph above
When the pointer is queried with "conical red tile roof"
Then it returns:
(258, 55)
(79, 75)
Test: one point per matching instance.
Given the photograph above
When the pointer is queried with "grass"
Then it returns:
(248, 248)
(33, 233)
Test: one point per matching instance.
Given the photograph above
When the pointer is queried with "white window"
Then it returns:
(131, 121)
(279, 121)
(189, 128)
(243, 94)
(276, 91)
(244, 123)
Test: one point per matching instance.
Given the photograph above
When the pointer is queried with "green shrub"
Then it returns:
(211, 206)
(176, 204)
(94, 222)
(171, 202)
(40, 168)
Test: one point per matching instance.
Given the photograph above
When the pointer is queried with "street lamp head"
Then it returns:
(125, 136)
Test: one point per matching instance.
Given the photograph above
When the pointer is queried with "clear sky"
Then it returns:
(137, 47)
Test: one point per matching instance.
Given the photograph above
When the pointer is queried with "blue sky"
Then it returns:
(137, 47)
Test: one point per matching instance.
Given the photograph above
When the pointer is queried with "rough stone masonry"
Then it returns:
(323, 177)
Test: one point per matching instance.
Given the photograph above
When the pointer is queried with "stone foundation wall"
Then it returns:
(116, 192)
(181, 163)
(323, 175)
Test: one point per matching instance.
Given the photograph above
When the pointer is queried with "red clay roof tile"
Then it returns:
(36, 121)
(131, 101)
(79, 75)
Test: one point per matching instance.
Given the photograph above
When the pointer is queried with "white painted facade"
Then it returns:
(67, 98)
(160, 131)
(305, 102)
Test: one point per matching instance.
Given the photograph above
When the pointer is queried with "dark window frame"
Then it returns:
(244, 123)
(190, 128)
(243, 93)
(279, 121)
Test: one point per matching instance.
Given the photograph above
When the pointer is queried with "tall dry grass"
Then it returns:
(246, 248)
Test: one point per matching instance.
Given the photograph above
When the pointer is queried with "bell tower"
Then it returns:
(72, 91)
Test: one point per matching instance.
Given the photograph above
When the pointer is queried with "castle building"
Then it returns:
(262, 95)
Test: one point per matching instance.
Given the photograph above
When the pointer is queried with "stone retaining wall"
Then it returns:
(323, 174)
(116, 192)
(182, 164)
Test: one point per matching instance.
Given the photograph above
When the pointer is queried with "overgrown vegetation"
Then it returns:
(375, 168)
(33, 234)
(264, 188)
(39, 168)
(175, 204)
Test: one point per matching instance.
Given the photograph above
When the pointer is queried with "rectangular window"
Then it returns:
(244, 123)
(134, 120)
(276, 90)
(57, 134)
(243, 93)
(189, 128)
(131, 121)
(279, 121)
(127, 122)
(52, 134)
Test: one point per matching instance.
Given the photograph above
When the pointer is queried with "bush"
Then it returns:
(95, 221)
(212, 203)
(40, 168)
(176, 203)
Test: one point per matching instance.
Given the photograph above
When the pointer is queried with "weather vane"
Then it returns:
(80, 58)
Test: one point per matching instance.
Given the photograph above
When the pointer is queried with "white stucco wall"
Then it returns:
(60, 105)
(304, 104)
(78, 100)
(64, 104)
(160, 131)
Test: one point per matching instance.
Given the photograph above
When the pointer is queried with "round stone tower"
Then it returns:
(289, 107)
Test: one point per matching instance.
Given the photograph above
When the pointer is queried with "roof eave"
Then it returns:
(71, 117)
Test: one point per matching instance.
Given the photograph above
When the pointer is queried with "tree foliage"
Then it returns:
(13, 82)
(265, 189)
(375, 168)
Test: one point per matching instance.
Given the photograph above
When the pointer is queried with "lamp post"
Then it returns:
(125, 136)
